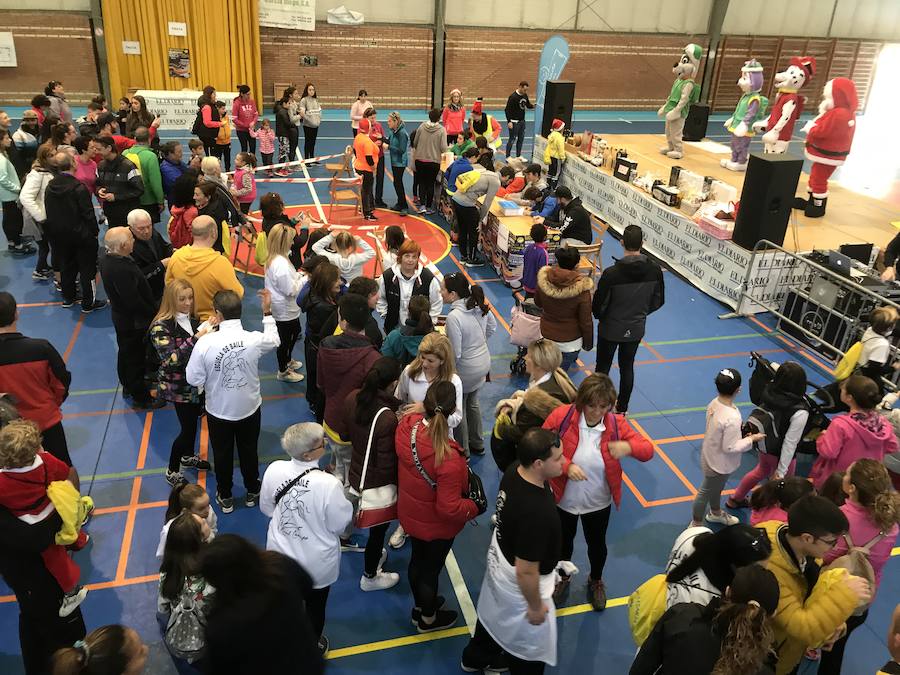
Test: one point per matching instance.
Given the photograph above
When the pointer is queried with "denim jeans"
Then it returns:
(517, 135)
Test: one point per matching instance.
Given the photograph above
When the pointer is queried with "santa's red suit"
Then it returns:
(829, 139)
(785, 95)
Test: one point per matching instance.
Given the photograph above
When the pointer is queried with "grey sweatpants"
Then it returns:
(710, 492)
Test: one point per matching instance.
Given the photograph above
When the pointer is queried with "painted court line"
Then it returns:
(665, 458)
(462, 592)
(75, 332)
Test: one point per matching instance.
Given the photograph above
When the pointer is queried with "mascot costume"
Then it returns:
(685, 92)
(828, 140)
(750, 109)
(779, 128)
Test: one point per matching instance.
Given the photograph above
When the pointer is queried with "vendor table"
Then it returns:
(178, 109)
(503, 241)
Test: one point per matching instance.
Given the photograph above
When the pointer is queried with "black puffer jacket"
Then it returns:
(626, 294)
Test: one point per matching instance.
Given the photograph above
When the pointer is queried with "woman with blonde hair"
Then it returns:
(284, 282)
(173, 334)
(433, 363)
(549, 387)
(341, 250)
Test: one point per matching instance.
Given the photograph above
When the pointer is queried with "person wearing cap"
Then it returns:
(453, 118)
(555, 152)
(244, 115)
(516, 105)
(574, 222)
(26, 141)
(485, 125)
(366, 153)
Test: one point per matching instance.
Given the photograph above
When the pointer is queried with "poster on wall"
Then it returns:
(180, 63)
(7, 51)
(294, 14)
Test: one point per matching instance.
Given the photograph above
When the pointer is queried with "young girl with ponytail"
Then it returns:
(873, 511)
(773, 499)
(110, 650)
(469, 326)
(432, 476)
(729, 636)
(371, 412)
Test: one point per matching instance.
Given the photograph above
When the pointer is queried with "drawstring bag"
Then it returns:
(73, 509)
(645, 606)
(185, 634)
(261, 254)
(226, 239)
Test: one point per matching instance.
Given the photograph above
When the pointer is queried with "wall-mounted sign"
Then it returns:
(177, 28)
(180, 63)
(131, 47)
(7, 51)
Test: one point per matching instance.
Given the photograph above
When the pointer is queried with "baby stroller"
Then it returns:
(525, 328)
(763, 374)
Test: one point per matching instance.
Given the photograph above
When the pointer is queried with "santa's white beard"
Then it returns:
(825, 106)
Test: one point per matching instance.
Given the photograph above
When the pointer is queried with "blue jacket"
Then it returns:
(170, 172)
(398, 141)
(534, 258)
(459, 167)
(547, 209)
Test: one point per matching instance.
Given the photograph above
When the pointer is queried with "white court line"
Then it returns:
(312, 188)
(462, 592)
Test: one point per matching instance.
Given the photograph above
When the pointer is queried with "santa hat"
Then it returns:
(694, 52)
(843, 91)
(364, 125)
(455, 91)
(557, 125)
(752, 66)
(476, 108)
(805, 63)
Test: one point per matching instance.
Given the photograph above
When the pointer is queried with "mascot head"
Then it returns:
(751, 77)
(689, 63)
(839, 93)
(799, 72)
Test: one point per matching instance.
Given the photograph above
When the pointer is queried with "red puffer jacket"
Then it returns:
(617, 429)
(426, 513)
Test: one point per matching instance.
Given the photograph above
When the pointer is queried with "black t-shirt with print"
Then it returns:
(527, 523)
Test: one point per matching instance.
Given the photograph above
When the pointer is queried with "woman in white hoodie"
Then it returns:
(341, 250)
(284, 283)
(31, 197)
(469, 325)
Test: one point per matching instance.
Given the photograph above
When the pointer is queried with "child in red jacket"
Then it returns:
(25, 473)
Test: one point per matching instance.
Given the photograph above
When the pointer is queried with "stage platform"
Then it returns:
(851, 217)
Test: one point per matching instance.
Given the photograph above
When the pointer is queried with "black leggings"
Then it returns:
(309, 141)
(374, 546)
(12, 223)
(368, 199)
(315, 609)
(427, 175)
(831, 661)
(288, 332)
(467, 224)
(398, 173)
(425, 565)
(627, 350)
(248, 143)
(183, 445)
(223, 152)
(314, 397)
(594, 526)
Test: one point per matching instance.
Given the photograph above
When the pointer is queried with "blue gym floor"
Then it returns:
(121, 456)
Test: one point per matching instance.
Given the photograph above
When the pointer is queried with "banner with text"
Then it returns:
(294, 14)
(178, 109)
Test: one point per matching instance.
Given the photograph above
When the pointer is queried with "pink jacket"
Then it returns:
(454, 121)
(245, 186)
(851, 437)
(266, 138)
(862, 531)
(244, 113)
(770, 513)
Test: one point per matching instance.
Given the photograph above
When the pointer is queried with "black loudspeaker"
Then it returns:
(559, 99)
(767, 198)
(695, 124)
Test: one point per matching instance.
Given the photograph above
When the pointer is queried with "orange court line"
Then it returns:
(125, 507)
(681, 500)
(38, 304)
(472, 281)
(652, 350)
(204, 449)
(637, 493)
(796, 347)
(666, 459)
(75, 332)
(704, 357)
(128, 535)
(679, 439)
(103, 584)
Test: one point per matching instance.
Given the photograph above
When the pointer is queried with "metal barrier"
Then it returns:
(812, 303)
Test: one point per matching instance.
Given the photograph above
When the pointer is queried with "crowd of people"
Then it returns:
(393, 382)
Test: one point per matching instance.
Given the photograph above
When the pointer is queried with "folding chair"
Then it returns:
(342, 166)
(591, 264)
(345, 191)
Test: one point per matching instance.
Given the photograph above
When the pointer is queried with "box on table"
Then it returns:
(717, 227)
(510, 208)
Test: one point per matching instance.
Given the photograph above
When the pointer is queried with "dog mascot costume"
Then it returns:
(779, 128)
(685, 92)
(750, 109)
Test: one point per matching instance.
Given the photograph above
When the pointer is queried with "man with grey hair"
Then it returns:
(308, 512)
(72, 227)
(151, 252)
(208, 271)
(133, 308)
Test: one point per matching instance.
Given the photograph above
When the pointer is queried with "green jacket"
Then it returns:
(9, 180)
(675, 96)
(147, 164)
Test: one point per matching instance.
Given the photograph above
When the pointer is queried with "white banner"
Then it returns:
(294, 14)
(178, 109)
(714, 266)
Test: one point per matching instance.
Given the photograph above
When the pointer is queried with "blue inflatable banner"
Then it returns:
(554, 58)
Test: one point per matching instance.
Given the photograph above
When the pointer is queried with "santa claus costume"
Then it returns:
(828, 140)
(779, 128)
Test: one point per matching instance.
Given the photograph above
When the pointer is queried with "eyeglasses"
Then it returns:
(830, 542)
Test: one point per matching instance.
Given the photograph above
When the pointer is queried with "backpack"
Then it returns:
(773, 424)
(848, 363)
(185, 633)
(466, 180)
(645, 606)
(261, 253)
(856, 562)
(179, 231)
(226, 239)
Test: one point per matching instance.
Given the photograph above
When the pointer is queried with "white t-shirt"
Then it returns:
(413, 390)
(587, 496)
(351, 266)
(876, 348)
(284, 283)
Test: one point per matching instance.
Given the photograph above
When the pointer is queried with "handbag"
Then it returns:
(376, 505)
(524, 328)
(474, 488)
(185, 634)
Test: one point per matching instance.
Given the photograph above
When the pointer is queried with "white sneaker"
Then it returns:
(398, 538)
(722, 518)
(71, 601)
(379, 582)
(294, 364)
(289, 376)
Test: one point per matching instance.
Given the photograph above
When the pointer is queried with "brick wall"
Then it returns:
(630, 71)
(49, 46)
(392, 62)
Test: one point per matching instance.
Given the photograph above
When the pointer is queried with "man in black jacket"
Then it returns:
(516, 105)
(72, 226)
(119, 183)
(626, 293)
(133, 309)
(574, 221)
(151, 252)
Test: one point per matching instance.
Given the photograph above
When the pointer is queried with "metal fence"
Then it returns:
(818, 306)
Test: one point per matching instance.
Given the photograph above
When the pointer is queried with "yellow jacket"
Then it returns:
(801, 621)
(224, 135)
(208, 271)
(556, 147)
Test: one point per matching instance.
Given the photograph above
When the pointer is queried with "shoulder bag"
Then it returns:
(376, 505)
(475, 488)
